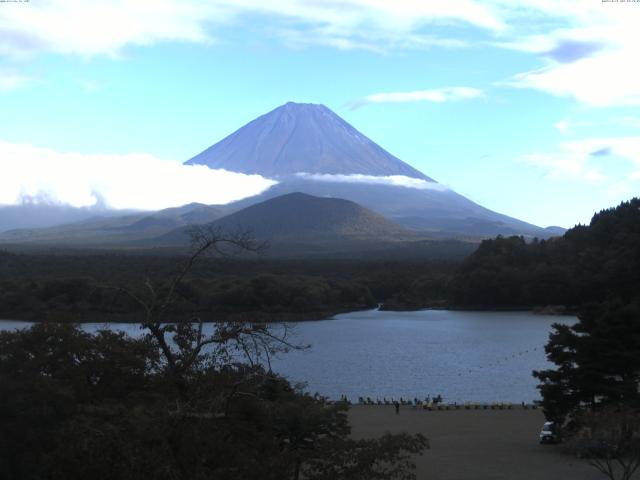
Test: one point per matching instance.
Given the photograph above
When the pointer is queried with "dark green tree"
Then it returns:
(597, 359)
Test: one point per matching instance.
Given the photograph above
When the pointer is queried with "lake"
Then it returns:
(463, 356)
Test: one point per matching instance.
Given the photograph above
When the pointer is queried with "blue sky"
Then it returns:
(529, 108)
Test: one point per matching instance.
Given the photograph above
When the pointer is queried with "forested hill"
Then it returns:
(589, 263)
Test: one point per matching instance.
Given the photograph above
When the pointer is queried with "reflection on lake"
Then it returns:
(464, 356)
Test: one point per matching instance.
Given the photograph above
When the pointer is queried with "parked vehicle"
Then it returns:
(549, 433)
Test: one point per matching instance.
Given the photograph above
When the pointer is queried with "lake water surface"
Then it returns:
(463, 356)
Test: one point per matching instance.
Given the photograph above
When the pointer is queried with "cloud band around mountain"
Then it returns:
(391, 180)
(131, 181)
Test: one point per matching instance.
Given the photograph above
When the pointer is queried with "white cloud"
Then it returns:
(10, 80)
(393, 180)
(605, 80)
(567, 126)
(591, 58)
(99, 26)
(589, 47)
(135, 181)
(379, 41)
(590, 160)
(106, 26)
(564, 165)
(438, 95)
(562, 125)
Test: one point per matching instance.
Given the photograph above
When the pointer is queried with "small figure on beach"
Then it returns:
(396, 404)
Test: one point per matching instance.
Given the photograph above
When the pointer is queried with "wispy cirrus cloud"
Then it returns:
(590, 58)
(129, 181)
(601, 81)
(379, 41)
(436, 95)
(588, 48)
(107, 26)
(562, 126)
(567, 126)
(591, 160)
(12, 80)
(97, 27)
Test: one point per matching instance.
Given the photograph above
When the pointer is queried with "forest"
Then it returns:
(590, 263)
(79, 288)
(178, 404)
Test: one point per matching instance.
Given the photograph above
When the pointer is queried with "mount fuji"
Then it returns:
(335, 189)
(308, 148)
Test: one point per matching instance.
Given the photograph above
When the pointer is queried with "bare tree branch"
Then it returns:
(184, 345)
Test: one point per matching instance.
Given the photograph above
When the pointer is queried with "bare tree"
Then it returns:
(184, 345)
(609, 440)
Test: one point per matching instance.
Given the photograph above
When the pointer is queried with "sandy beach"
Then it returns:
(475, 444)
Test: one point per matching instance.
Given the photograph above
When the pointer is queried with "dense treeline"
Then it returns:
(589, 263)
(81, 287)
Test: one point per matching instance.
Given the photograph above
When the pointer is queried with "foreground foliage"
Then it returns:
(75, 405)
(609, 439)
(177, 403)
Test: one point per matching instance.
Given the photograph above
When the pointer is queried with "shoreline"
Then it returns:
(314, 316)
(555, 310)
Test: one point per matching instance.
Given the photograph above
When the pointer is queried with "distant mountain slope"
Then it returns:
(41, 215)
(440, 213)
(114, 230)
(302, 138)
(299, 215)
(298, 225)
(302, 218)
(294, 142)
